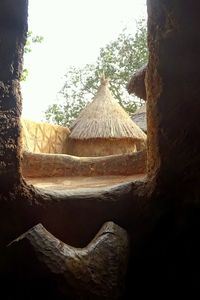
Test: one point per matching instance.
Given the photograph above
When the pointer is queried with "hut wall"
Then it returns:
(43, 137)
(102, 147)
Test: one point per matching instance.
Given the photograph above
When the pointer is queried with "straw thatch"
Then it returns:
(136, 85)
(104, 128)
(140, 118)
(40, 137)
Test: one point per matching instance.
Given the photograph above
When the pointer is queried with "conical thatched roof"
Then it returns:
(105, 118)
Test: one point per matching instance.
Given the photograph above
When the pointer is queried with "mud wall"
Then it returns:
(43, 165)
(103, 147)
(173, 91)
(13, 32)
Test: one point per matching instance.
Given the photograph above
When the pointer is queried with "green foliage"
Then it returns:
(28, 48)
(118, 60)
(24, 75)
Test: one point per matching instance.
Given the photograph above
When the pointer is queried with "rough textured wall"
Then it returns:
(40, 137)
(174, 90)
(13, 28)
(43, 165)
(103, 147)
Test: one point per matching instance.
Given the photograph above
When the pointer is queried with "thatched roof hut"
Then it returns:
(140, 118)
(136, 85)
(104, 128)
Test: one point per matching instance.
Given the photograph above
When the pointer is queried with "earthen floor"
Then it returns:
(65, 183)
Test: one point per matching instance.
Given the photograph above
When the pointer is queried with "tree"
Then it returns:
(28, 48)
(118, 60)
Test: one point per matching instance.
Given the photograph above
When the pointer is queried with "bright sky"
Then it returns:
(73, 31)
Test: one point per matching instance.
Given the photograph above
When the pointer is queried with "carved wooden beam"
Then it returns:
(97, 271)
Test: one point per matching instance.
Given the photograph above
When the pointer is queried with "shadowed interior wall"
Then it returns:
(13, 29)
(173, 91)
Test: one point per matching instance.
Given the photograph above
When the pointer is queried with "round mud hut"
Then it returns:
(104, 128)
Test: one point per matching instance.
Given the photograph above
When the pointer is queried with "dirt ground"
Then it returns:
(65, 183)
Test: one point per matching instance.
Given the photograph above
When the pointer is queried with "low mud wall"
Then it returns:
(49, 165)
